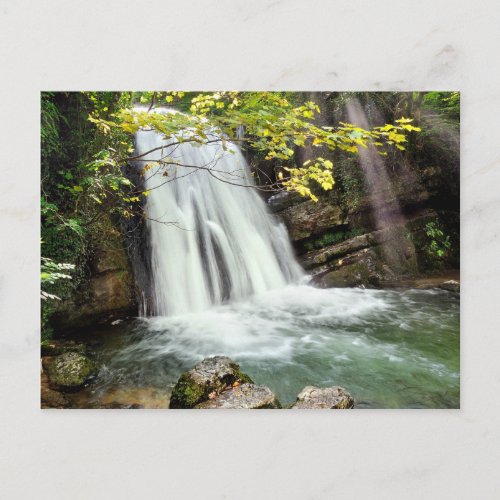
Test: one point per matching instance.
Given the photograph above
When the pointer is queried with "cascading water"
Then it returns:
(212, 239)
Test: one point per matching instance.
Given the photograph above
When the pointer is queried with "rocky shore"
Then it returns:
(214, 383)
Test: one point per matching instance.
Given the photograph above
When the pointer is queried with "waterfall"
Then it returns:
(211, 237)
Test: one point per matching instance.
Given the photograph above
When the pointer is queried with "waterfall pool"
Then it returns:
(388, 348)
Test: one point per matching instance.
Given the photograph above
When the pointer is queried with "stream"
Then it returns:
(388, 348)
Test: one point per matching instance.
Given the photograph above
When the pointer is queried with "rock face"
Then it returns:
(69, 371)
(309, 218)
(246, 397)
(109, 293)
(208, 378)
(369, 259)
(359, 269)
(369, 235)
(333, 398)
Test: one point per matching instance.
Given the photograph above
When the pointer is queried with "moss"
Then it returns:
(243, 378)
(332, 238)
(187, 393)
(71, 370)
(276, 405)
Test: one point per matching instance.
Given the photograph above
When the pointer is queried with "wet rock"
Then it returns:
(360, 269)
(120, 406)
(49, 398)
(323, 255)
(310, 218)
(135, 397)
(70, 371)
(109, 293)
(210, 377)
(451, 286)
(245, 397)
(283, 200)
(323, 398)
(57, 347)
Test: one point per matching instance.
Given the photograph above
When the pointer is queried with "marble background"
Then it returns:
(232, 44)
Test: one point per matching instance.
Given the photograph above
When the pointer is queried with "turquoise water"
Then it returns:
(388, 348)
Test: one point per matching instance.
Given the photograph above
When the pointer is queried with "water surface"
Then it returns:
(389, 348)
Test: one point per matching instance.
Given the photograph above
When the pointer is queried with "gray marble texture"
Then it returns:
(232, 44)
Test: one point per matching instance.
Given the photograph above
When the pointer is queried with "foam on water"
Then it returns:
(300, 335)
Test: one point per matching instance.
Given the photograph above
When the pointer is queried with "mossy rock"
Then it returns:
(210, 377)
(70, 371)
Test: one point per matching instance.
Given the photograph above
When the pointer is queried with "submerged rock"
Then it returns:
(135, 397)
(49, 398)
(246, 397)
(70, 371)
(210, 377)
(323, 398)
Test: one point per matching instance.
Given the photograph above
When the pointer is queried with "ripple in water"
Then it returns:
(390, 349)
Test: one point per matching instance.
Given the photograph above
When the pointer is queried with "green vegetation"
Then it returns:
(439, 243)
(332, 238)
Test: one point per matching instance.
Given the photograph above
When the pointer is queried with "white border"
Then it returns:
(232, 44)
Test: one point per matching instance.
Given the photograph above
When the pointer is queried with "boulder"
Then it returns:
(210, 377)
(245, 396)
(333, 398)
(70, 371)
(451, 286)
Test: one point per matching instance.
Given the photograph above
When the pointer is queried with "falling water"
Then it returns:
(212, 239)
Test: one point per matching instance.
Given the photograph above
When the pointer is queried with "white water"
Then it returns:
(211, 241)
(388, 348)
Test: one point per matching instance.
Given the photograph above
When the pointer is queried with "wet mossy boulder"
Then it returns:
(333, 398)
(70, 371)
(243, 397)
(207, 379)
